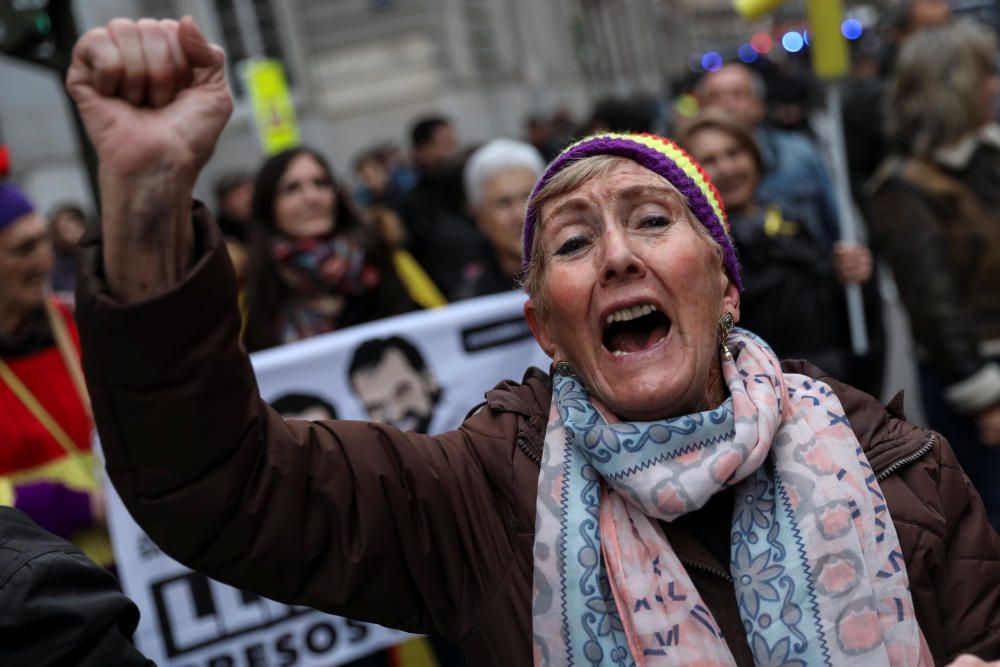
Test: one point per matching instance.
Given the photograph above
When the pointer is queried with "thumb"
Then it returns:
(199, 51)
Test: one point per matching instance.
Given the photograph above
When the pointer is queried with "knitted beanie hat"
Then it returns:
(13, 204)
(660, 156)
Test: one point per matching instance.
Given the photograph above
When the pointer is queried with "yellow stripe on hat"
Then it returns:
(678, 156)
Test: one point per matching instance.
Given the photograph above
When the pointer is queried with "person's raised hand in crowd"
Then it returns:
(154, 99)
(853, 262)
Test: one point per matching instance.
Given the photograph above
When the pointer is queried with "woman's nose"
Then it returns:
(620, 258)
(724, 166)
(311, 191)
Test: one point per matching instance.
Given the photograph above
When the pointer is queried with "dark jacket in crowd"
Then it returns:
(795, 178)
(442, 239)
(58, 607)
(483, 278)
(937, 222)
(433, 533)
(781, 261)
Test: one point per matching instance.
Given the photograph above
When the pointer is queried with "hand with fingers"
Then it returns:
(154, 100)
(853, 261)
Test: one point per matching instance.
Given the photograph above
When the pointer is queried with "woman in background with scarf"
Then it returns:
(315, 266)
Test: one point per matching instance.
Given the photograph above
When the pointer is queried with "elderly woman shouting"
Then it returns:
(671, 495)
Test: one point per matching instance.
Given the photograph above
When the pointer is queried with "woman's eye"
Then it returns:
(571, 245)
(654, 221)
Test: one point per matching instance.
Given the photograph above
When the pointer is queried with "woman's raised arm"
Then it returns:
(353, 518)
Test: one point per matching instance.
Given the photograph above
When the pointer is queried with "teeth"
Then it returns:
(626, 314)
(620, 353)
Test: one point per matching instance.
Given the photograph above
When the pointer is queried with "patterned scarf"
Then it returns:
(323, 274)
(816, 563)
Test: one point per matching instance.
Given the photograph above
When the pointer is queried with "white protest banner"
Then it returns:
(422, 371)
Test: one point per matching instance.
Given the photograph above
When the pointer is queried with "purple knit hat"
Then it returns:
(13, 204)
(660, 156)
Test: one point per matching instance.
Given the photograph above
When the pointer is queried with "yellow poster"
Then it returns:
(273, 109)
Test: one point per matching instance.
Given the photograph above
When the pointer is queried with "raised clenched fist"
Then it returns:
(152, 95)
(154, 99)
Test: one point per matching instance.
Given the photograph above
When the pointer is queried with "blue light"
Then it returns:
(747, 54)
(851, 28)
(711, 61)
(792, 41)
(805, 37)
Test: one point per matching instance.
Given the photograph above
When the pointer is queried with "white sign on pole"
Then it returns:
(421, 371)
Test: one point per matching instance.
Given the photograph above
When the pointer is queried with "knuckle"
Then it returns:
(121, 25)
(91, 39)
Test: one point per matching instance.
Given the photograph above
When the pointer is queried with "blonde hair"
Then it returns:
(569, 179)
(935, 99)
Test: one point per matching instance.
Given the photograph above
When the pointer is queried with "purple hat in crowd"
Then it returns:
(660, 156)
(13, 204)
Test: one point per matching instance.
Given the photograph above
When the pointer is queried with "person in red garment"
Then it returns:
(46, 466)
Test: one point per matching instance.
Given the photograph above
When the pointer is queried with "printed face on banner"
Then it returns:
(391, 379)
(303, 406)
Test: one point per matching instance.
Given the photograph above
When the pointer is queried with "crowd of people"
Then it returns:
(313, 252)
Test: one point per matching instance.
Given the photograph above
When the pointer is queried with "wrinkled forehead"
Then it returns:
(618, 180)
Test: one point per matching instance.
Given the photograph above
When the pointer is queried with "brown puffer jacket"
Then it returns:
(939, 229)
(429, 534)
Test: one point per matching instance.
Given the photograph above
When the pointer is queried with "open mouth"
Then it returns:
(634, 329)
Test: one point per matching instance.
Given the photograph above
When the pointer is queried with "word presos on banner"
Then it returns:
(422, 371)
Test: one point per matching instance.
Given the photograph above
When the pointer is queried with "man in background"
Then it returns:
(391, 378)
(794, 176)
(442, 238)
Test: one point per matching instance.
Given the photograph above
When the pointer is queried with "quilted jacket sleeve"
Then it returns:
(953, 555)
(352, 518)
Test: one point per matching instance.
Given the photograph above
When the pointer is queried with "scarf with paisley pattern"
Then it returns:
(815, 560)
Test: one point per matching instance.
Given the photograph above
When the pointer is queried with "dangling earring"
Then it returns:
(564, 368)
(726, 324)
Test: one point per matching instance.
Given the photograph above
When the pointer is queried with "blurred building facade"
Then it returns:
(362, 70)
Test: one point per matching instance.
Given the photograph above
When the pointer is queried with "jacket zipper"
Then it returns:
(907, 460)
(706, 568)
(523, 445)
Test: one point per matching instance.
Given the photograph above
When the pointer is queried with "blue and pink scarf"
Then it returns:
(816, 564)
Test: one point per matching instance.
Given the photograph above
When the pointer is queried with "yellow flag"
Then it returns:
(274, 111)
(830, 59)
